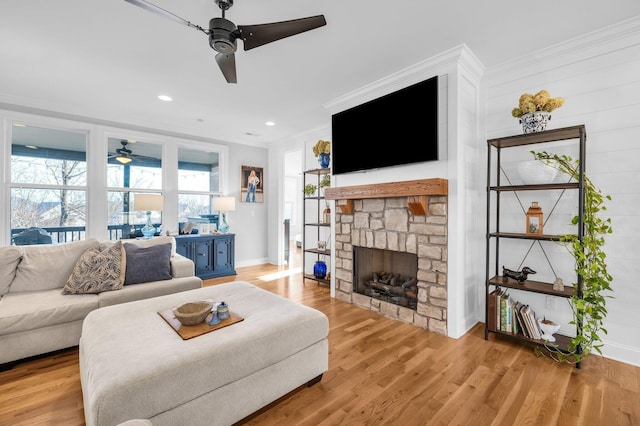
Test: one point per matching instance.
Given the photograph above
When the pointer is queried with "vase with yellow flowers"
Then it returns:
(322, 150)
(534, 111)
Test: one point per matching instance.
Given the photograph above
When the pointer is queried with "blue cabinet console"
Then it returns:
(212, 254)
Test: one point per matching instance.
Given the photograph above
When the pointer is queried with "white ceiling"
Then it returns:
(110, 59)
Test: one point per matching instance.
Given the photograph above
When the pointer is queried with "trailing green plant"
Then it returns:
(325, 181)
(310, 189)
(589, 308)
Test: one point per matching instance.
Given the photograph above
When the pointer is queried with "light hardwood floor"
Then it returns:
(381, 371)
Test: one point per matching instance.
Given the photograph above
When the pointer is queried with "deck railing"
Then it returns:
(63, 234)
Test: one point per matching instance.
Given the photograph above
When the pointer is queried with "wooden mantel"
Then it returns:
(416, 191)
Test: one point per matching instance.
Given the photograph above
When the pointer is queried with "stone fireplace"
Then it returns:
(402, 217)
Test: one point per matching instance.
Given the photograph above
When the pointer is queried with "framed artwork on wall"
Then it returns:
(252, 184)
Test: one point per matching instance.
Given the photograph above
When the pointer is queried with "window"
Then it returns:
(58, 180)
(198, 184)
(48, 181)
(133, 167)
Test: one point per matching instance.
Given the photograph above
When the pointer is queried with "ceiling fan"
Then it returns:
(123, 155)
(224, 33)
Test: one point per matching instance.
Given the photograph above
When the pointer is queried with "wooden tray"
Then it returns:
(190, 331)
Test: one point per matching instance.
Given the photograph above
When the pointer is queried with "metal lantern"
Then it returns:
(534, 219)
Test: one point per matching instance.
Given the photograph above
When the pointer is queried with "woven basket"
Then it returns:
(192, 313)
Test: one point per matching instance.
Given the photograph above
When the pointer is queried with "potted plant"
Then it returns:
(533, 111)
(322, 149)
(325, 181)
(310, 189)
(589, 307)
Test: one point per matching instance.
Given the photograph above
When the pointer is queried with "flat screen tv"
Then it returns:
(392, 130)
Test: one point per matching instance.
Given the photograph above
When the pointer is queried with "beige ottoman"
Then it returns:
(133, 365)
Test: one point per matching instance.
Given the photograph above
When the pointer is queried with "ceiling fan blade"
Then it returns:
(150, 7)
(227, 64)
(256, 35)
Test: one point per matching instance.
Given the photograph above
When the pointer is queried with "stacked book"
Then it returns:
(510, 316)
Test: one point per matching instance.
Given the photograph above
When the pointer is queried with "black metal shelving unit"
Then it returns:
(314, 226)
(494, 232)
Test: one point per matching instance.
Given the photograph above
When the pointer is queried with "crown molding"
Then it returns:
(443, 63)
(611, 38)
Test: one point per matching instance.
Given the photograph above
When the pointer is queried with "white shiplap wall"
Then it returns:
(599, 76)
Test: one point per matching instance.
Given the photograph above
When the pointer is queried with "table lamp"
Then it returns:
(148, 203)
(224, 205)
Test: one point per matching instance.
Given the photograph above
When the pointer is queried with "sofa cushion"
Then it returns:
(30, 310)
(98, 271)
(145, 243)
(9, 259)
(146, 264)
(48, 266)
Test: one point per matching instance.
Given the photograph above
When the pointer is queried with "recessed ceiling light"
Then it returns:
(165, 98)
(270, 123)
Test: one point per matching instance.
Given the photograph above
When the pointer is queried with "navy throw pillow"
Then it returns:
(146, 264)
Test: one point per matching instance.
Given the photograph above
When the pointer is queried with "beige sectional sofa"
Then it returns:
(36, 317)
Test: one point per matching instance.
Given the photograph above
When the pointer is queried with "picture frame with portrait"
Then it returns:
(252, 184)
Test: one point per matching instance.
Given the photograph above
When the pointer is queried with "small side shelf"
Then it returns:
(523, 236)
(319, 280)
(317, 224)
(539, 187)
(562, 342)
(533, 286)
(318, 251)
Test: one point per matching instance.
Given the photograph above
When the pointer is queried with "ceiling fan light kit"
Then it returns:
(124, 154)
(124, 159)
(224, 33)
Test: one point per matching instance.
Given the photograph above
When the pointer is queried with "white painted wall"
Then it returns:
(599, 76)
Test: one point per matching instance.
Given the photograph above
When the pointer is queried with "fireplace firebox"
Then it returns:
(386, 275)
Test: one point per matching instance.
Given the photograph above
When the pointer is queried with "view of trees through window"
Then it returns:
(48, 184)
(49, 188)
(141, 174)
(198, 184)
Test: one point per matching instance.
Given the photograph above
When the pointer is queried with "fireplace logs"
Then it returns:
(393, 288)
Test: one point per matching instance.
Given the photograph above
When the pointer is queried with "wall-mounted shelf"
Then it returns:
(416, 192)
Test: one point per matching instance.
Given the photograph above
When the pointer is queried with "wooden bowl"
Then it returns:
(192, 313)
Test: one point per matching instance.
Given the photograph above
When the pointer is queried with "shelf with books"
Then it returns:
(510, 318)
(505, 207)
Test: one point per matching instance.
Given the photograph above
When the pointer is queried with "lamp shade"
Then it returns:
(148, 202)
(224, 204)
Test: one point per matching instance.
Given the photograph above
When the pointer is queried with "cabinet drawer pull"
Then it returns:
(202, 254)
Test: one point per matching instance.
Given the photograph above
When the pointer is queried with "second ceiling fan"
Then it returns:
(223, 33)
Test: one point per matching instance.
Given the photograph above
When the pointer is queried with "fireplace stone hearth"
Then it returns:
(388, 224)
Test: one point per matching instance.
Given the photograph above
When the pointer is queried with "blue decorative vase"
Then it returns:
(324, 160)
(320, 269)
